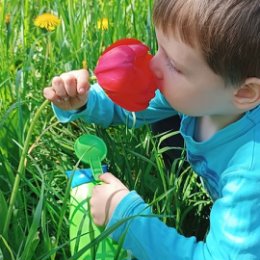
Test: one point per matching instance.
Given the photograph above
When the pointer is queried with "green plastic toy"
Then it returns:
(92, 150)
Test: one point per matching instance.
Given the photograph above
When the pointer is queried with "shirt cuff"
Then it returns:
(130, 206)
(68, 115)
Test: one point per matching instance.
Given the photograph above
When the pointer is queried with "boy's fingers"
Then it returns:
(82, 81)
(59, 87)
(107, 178)
(50, 94)
(70, 85)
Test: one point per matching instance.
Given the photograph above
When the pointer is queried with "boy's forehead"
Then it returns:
(183, 54)
(170, 38)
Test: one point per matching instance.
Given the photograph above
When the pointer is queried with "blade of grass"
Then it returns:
(21, 167)
(33, 237)
(6, 249)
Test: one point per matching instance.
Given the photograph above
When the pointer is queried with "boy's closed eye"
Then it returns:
(171, 65)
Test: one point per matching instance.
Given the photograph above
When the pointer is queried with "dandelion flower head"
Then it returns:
(47, 21)
(102, 24)
(7, 19)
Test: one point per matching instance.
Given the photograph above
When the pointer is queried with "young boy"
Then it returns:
(208, 69)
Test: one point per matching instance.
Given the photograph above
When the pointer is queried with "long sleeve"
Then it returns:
(234, 226)
(102, 111)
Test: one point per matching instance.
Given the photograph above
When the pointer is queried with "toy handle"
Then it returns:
(96, 167)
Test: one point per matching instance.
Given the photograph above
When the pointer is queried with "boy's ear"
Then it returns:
(248, 95)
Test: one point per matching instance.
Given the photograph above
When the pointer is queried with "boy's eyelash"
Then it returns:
(170, 65)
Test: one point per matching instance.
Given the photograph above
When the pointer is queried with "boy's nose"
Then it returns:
(155, 67)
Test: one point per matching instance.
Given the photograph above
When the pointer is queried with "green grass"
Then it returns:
(36, 150)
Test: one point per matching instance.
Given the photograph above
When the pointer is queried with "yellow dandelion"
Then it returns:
(7, 19)
(47, 21)
(102, 24)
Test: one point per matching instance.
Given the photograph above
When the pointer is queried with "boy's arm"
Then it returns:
(101, 110)
(234, 226)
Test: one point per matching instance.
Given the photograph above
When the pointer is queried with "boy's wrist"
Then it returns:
(116, 199)
(82, 108)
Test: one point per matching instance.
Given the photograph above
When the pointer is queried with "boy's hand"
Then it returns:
(69, 90)
(106, 197)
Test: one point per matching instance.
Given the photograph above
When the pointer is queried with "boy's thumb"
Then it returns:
(107, 177)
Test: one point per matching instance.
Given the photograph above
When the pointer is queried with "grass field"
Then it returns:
(36, 150)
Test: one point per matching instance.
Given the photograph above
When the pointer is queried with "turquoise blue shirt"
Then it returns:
(229, 163)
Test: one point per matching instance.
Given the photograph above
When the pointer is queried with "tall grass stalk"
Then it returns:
(21, 167)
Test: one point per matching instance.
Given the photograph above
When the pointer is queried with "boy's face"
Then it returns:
(186, 80)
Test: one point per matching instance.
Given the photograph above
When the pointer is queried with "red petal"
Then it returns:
(121, 56)
(126, 41)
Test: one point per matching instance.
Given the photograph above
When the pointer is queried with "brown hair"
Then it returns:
(226, 31)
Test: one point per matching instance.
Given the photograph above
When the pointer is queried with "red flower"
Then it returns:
(123, 72)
